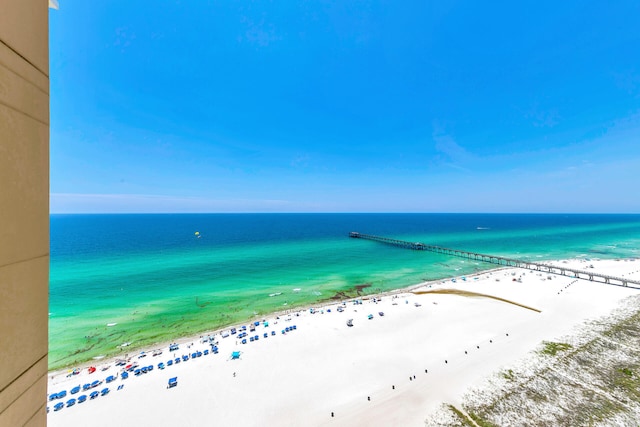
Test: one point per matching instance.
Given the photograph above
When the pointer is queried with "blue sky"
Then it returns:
(358, 106)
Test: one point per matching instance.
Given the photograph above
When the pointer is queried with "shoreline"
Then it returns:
(96, 360)
(394, 368)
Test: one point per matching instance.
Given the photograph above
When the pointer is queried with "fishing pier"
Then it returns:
(503, 261)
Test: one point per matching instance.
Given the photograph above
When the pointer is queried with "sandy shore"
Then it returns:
(396, 369)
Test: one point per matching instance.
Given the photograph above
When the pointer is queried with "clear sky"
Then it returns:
(345, 106)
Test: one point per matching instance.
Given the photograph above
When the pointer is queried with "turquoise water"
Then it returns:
(155, 278)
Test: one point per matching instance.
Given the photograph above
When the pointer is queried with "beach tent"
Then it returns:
(235, 355)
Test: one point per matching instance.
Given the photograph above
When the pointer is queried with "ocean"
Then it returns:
(149, 278)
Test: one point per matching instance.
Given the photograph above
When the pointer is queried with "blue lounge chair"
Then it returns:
(93, 395)
(58, 406)
(86, 387)
(173, 382)
(266, 335)
(143, 369)
(215, 349)
(62, 394)
(199, 354)
(244, 341)
(160, 365)
(82, 398)
(185, 358)
(251, 339)
(110, 378)
(96, 383)
(273, 333)
(150, 368)
(71, 402)
(75, 390)
(256, 323)
(169, 362)
(124, 375)
(206, 352)
(193, 355)
(104, 391)
(295, 327)
(53, 396)
(137, 372)
(177, 360)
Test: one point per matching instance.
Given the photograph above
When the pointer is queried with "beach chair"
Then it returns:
(295, 327)
(206, 352)
(160, 365)
(137, 372)
(177, 360)
(82, 398)
(104, 391)
(110, 378)
(170, 362)
(124, 375)
(250, 339)
(273, 333)
(93, 395)
(62, 394)
(58, 406)
(71, 402)
(150, 368)
(53, 396)
(86, 387)
(173, 382)
(266, 335)
(235, 355)
(185, 358)
(96, 383)
(244, 341)
(199, 354)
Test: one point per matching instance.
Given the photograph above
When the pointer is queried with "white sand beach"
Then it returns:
(393, 369)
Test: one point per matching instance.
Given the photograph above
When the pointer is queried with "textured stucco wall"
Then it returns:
(24, 210)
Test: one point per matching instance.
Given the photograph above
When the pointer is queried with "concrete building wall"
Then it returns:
(24, 211)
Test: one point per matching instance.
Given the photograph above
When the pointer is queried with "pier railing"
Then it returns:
(503, 261)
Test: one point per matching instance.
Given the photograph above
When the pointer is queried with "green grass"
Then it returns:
(461, 416)
(481, 422)
(553, 348)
